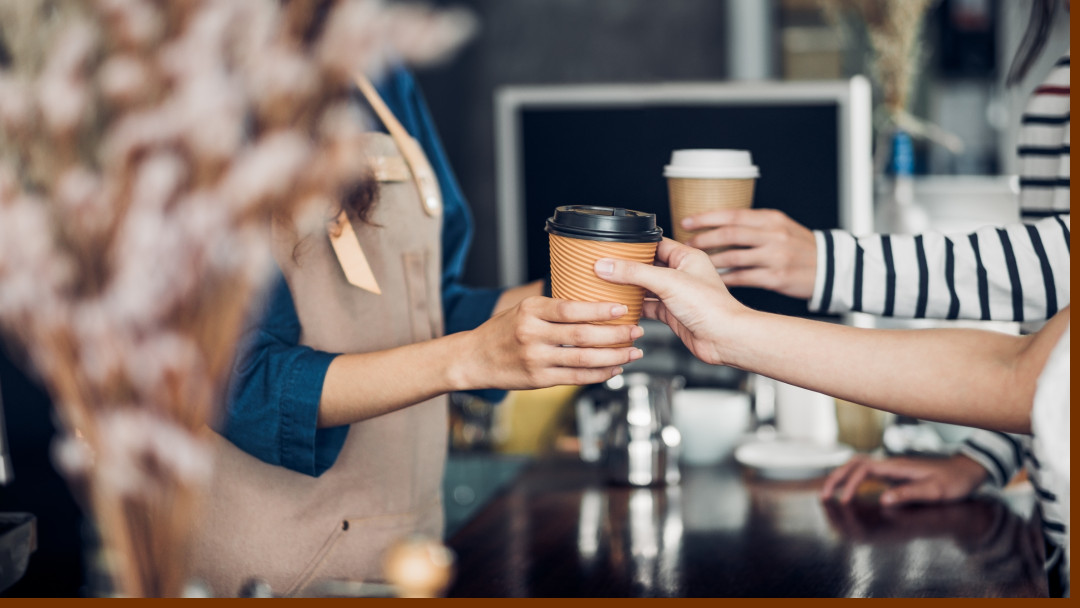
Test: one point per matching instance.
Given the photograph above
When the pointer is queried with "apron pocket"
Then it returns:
(416, 281)
(355, 549)
(319, 560)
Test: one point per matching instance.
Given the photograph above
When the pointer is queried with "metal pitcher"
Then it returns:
(625, 424)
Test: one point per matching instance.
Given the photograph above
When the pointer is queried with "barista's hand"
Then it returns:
(921, 479)
(692, 299)
(525, 346)
(773, 251)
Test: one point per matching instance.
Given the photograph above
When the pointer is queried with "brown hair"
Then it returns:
(1034, 40)
(358, 199)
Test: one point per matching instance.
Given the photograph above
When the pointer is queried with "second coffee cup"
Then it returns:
(579, 235)
(707, 180)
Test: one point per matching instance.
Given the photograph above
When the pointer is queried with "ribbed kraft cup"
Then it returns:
(573, 277)
(689, 197)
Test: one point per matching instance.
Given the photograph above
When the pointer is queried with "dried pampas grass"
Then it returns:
(146, 146)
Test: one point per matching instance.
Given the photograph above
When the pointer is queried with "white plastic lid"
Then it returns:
(711, 164)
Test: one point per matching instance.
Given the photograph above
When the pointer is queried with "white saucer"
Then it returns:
(788, 459)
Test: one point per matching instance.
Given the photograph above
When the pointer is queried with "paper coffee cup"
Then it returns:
(579, 235)
(707, 180)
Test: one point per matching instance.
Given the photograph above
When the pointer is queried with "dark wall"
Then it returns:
(557, 41)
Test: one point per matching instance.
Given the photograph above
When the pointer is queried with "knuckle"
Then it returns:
(579, 334)
(523, 333)
(533, 370)
(562, 309)
(534, 355)
(533, 377)
(579, 358)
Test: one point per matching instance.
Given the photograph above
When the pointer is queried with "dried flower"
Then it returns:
(124, 79)
(144, 148)
(894, 27)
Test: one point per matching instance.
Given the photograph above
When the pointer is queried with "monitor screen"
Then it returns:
(596, 149)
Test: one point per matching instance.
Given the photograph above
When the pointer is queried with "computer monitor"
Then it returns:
(608, 144)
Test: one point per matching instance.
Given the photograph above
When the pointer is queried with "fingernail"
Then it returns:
(637, 332)
(618, 311)
(887, 499)
(618, 370)
(605, 267)
(636, 354)
(688, 222)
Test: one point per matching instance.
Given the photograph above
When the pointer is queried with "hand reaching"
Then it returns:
(768, 249)
(692, 299)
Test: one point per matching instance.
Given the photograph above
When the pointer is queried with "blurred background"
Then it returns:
(967, 50)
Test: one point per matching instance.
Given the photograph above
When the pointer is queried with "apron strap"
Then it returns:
(423, 174)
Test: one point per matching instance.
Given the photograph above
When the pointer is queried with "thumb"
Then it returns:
(660, 281)
(915, 492)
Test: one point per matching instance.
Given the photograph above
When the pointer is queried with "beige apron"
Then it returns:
(293, 530)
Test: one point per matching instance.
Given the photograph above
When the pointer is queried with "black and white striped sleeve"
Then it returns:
(1018, 272)
(1043, 148)
(1001, 454)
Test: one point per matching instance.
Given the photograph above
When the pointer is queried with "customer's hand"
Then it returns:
(770, 250)
(692, 299)
(526, 346)
(921, 479)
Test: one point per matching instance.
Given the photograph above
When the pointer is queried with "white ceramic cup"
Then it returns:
(806, 415)
(711, 422)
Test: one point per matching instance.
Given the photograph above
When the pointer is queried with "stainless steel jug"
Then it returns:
(625, 424)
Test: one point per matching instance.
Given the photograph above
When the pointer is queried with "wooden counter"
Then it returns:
(560, 531)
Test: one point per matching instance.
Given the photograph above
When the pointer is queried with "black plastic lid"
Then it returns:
(604, 224)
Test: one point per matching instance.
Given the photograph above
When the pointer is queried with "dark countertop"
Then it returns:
(558, 530)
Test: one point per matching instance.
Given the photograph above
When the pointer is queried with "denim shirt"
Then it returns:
(276, 385)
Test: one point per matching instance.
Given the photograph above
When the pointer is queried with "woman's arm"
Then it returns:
(522, 347)
(984, 379)
(1018, 272)
(275, 389)
(288, 403)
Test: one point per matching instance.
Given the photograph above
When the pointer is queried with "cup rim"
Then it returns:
(577, 224)
(674, 171)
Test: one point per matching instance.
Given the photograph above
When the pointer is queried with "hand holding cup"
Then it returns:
(544, 342)
(691, 297)
(700, 181)
(580, 235)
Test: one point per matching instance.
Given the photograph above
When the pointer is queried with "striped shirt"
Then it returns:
(1050, 416)
(1018, 272)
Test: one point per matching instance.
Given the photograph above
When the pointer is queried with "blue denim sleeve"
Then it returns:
(464, 307)
(274, 391)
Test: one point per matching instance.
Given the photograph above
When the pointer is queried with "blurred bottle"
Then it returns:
(897, 212)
